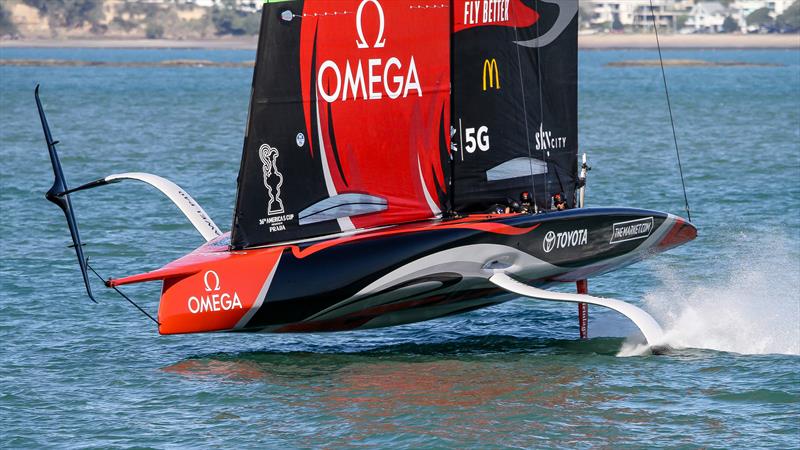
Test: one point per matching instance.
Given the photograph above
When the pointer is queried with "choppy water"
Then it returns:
(82, 375)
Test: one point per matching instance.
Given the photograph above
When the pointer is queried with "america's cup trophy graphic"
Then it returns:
(272, 177)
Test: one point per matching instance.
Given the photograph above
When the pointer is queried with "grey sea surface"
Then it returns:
(77, 374)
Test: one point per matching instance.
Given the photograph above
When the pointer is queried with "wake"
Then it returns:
(752, 307)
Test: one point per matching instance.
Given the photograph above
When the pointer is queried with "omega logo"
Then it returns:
(213, 302)
(379, 41)
(369, 78)
(216, 281)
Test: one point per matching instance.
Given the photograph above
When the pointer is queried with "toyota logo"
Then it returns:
(549, 241)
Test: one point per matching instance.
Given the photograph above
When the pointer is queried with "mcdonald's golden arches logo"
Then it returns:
(490, 71)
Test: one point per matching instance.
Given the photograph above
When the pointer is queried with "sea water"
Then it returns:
(76, 374)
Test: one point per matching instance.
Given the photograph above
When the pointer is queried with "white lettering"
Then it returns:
(321, 77)
(354, 81)
(377, 80)
(483, 138)
(412, 73)
(565, 239)
(479, 140)
(373, 79)
(369, 86)
(213, 302)
(546, 141)
(398, 79)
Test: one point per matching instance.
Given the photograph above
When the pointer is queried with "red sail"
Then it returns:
(376, 80)
(349, 119)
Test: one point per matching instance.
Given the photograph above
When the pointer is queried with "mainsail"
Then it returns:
(349, 119)
(514, 101)
(355, 102)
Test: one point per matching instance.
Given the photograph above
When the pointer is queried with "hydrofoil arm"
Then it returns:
(649, 327)
(188, 206)
(59, 194)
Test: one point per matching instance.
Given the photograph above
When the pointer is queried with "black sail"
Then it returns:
(274, 176)
(514, 101)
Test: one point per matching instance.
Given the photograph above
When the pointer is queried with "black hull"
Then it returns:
(397, 278)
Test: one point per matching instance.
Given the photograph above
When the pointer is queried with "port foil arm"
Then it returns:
(188, 205)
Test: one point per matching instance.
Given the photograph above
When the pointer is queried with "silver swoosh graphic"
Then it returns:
(566, 11)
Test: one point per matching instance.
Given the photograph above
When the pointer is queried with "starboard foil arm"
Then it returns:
(647, 325)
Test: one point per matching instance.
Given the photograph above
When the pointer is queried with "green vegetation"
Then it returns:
(681, 21)
(69, 13)
(790, 19)
(154, 20)
(759, 17)
(229, 20)
(616, 25)
(730, 25)
(154, 31)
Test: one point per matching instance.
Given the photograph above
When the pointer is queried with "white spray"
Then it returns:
(751, 306)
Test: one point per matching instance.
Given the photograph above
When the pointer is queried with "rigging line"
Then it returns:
(122, 294)
(525, 116)
(669, 107)
(541, 107)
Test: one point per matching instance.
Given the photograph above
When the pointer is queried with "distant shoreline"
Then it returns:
(604, 41)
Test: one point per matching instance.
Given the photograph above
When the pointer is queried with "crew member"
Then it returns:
(507, 207)
(498, 208)
(525, 202)
(559, 203)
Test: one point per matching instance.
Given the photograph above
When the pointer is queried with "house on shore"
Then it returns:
(707, 17)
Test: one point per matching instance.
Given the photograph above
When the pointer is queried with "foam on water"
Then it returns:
(752, 306)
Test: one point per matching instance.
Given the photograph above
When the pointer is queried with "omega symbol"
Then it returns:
(216, 281)
(379, 41)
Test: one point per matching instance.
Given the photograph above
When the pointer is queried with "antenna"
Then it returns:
(669, 106)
